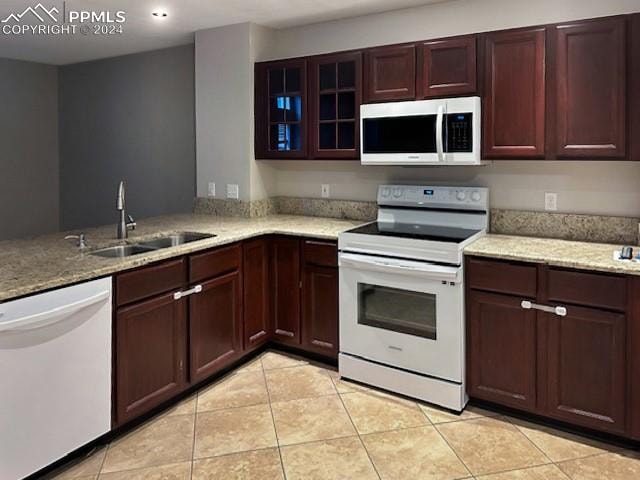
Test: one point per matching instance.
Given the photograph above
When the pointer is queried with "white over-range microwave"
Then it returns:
(423, 132)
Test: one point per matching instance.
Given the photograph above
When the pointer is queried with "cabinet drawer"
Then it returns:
(503, 277)
(589, 289)
(214, 263)
(319, 252)
(149, 281)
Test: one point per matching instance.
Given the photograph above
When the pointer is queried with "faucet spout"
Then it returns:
(125, 222)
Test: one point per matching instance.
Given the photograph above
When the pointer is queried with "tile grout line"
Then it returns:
(375, 469)
(193, 443)
(273, 420)
(528, 439)
(435, 427)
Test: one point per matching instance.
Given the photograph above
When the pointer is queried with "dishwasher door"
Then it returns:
(55, 374)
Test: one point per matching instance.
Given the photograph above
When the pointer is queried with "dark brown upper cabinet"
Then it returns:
(589, 77)
(335, 95)
(514, 103)
(633, 56)
(281, 109)
(447, 67)
(390, 73)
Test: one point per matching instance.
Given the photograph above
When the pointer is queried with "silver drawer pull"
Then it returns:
(186, 293)
(284, 332)
(560, 311)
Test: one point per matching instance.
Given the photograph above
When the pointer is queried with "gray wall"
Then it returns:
(28, 149)
(127, 118)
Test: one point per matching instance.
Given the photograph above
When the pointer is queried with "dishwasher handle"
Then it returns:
(49, 317)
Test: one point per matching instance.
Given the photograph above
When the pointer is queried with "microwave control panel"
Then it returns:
(459, 128)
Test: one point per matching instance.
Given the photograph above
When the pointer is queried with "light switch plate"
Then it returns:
(233, 191)
(326, 190)
(211, 189)
(551, 201)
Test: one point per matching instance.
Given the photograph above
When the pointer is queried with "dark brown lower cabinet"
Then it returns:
(320, 309)
(502, 350)
(586, 354)
(578, 365)
(285, 284)
(256, 292)
(215, 325)
(151, 354)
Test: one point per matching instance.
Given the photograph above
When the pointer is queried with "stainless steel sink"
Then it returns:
(175, 239)
(122, 251)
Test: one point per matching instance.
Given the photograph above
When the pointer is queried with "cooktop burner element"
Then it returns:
(413, 230)
(426, 223)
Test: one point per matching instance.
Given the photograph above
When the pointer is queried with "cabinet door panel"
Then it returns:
(285, 257)
(633, 56)
(447, 67)
(502, 350)
(151, 346)
(514, 106)
(281, 109)
(257, 291)
(586, 368)
(390, 73)
(320, 309)
(335, 95)
(215, 326)
(590, 89)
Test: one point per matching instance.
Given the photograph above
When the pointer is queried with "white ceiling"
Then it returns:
(143, 32)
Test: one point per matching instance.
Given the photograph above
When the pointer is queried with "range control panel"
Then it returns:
(466, 198)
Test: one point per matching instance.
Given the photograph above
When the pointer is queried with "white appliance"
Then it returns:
(402, 291)
(55, 366)
(423, 132)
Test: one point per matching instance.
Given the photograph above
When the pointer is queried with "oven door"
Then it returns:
(403, 313)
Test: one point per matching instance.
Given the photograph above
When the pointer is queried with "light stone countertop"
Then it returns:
(561, 253)
(33, 265)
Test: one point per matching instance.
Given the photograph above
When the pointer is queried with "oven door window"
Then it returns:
(402, 311)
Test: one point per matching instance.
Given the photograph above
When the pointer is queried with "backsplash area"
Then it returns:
(567, 226)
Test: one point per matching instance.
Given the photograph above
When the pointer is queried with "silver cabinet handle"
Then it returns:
(528, 305)
(186, 293)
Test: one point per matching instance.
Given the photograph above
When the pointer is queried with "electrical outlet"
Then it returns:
(326, 190)
(233, 190)
(551, 201)
(211, 189)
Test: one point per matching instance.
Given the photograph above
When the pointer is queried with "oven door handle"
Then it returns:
(393, 265)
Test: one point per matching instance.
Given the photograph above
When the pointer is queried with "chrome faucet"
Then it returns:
(81, 240)
(125, 222)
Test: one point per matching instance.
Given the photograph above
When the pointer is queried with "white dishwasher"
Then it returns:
(55, 375)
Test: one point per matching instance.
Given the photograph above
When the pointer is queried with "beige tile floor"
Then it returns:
(281, 417)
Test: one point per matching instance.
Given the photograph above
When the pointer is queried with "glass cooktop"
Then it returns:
(423, 232)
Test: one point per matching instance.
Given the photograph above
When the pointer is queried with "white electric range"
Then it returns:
(402, 291)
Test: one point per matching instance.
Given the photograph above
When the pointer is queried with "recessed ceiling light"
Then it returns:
(160, 14)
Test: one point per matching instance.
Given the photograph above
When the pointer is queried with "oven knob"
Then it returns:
(397, 192)
(475, 196)
(385, 192)
(461, 195)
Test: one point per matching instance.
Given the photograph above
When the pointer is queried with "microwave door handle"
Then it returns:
(439, 143)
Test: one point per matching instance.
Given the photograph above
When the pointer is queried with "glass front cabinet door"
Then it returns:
(334, 105)
(281, 109)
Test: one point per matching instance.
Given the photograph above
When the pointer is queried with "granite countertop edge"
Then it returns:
(26, 278)
(577, 255)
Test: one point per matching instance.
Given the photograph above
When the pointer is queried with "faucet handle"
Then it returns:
(81, 238)
(131, 224)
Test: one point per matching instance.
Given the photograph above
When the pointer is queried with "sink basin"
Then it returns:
(175, 239)
(122, 251)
